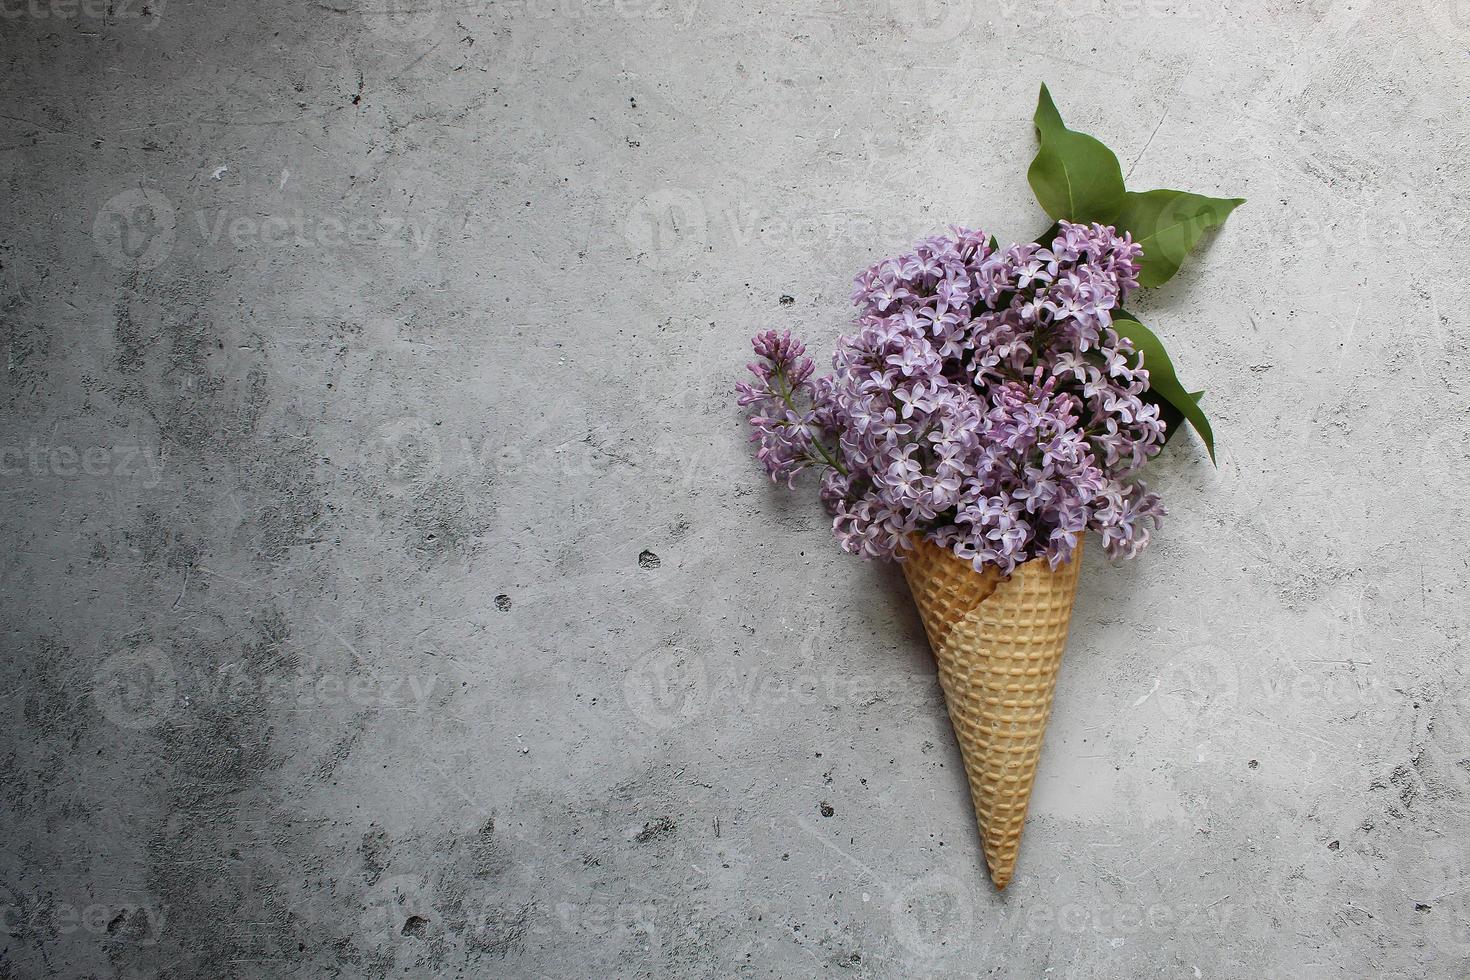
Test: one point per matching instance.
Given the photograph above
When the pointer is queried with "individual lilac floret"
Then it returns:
(984, 401)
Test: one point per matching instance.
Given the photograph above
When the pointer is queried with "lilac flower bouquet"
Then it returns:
(995, 401)
(985, 401)
(989, 408)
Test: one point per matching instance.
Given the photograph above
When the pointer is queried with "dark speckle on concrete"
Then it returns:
(375, 845)
(647, 559)
(655, 829)
(488, 854)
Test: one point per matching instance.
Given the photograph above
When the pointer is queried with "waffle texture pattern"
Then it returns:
(998, 641)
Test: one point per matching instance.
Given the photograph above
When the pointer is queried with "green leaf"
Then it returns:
(1073, 176)
(1168, 224)
(1173, 418)
(1162, 379)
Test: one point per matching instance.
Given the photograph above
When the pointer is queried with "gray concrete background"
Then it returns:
(388, 590)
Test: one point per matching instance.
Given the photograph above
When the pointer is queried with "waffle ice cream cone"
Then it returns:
(998, 641)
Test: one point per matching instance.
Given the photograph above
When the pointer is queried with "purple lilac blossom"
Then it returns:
(984, 402)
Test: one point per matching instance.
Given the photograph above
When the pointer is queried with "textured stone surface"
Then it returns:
(387, 590)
